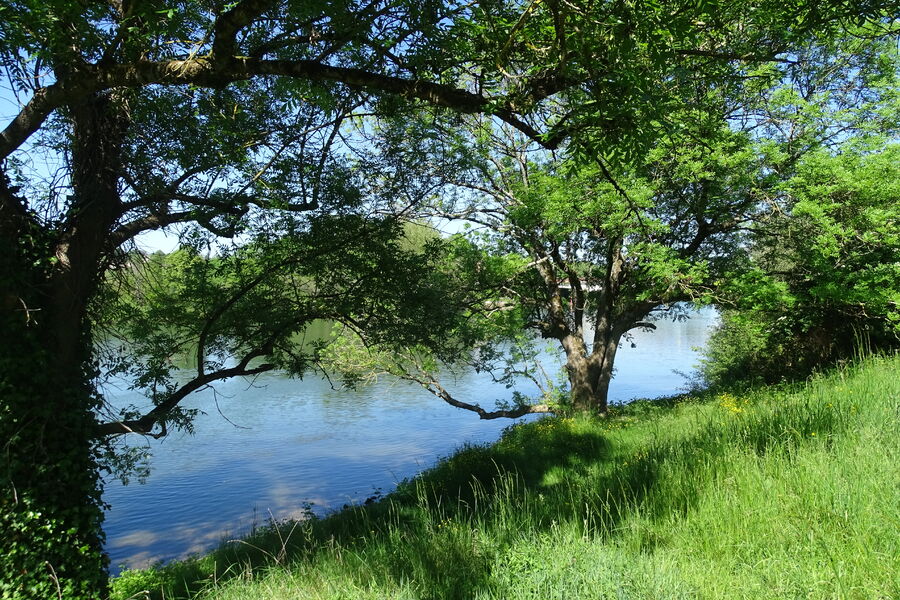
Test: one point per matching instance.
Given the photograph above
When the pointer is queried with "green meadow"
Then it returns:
(779, 492)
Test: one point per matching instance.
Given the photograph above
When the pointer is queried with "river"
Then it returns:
(269, 448)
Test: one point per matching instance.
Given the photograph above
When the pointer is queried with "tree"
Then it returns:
(225, 115)
(608, 246)
(818, 284)
(604, 253)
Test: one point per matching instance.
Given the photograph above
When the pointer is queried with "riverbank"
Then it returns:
(770, 493)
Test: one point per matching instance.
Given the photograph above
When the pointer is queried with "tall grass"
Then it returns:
(771, 493)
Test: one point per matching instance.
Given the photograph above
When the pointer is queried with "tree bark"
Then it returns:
(51, 507)
(590, 374)
(52, 510)
(604, 356)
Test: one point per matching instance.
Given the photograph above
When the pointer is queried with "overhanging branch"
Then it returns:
(438, 390)
(144, 425)
(215, 71)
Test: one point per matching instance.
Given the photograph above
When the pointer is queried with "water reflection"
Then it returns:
(293, 443)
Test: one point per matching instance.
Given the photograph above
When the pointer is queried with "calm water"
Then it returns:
(277, 444)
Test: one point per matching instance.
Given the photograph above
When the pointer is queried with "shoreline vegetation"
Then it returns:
(774, 492)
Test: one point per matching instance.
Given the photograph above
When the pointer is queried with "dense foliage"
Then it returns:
(825, 283)
(711, 211)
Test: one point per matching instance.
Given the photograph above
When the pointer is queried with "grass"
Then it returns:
(768, 493)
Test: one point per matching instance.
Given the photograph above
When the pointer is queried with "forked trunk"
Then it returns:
(590, 374)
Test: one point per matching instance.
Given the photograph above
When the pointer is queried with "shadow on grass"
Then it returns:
(416, 534)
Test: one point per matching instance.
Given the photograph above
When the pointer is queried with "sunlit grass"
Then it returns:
(772, 493)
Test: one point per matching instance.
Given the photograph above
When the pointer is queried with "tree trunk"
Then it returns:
(582, 376)
(590, 374)
(51, 509)
(604, 356)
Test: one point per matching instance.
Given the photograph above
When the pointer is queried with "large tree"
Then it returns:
(614, 245)
(598, 245)
(582, 254)
(135, 116)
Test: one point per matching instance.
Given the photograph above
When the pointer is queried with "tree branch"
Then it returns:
(216, 71)
(634, 317)
(231, 22)
(144, 425)
(127, 231)
(438, 390)
(732, 56)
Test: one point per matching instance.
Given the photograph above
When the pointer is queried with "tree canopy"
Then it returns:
(600, 246)
(824, 281)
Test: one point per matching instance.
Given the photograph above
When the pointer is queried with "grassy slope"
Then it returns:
(769, 494)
